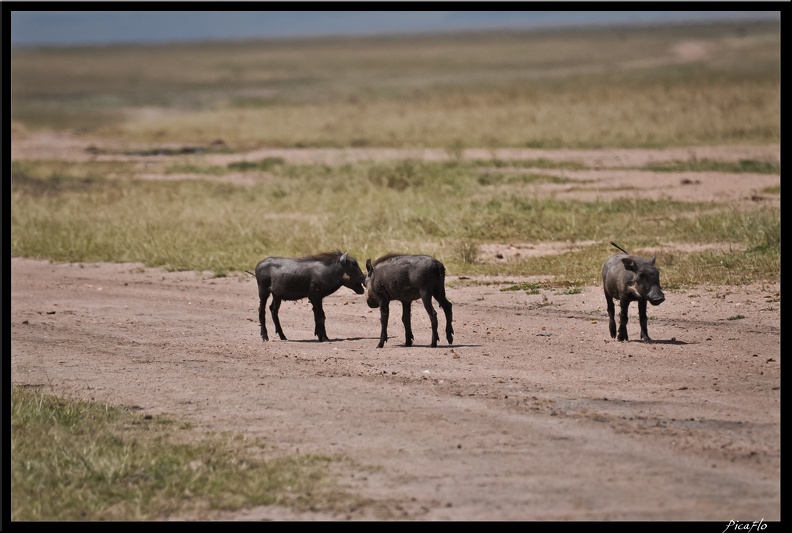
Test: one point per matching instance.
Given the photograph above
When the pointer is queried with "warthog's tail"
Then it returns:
(252, 274)
(620, 248)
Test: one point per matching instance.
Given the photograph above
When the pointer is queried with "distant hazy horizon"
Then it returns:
(64, 28)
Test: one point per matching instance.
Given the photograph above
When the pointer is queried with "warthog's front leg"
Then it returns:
(319, 320)
(384, 312)
(643, 320)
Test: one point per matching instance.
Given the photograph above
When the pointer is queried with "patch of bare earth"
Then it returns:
(612, 172)
(533, 413)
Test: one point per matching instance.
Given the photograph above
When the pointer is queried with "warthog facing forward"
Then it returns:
(406, 278)
(628, 278)
(314, 277)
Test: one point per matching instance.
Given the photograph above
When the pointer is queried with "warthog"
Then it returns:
(629, 278)
(406, 278)
(314, 277)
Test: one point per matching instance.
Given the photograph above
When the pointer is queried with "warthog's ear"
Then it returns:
(344, 258)
(629, 264)
(652, 260)
(368, 265)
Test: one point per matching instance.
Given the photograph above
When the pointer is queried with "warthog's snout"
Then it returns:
(656, 296)
(357, 286)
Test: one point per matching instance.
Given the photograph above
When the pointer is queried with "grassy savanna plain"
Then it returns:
(680, 86)
(170, 111)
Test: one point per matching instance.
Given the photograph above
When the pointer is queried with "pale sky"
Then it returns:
(32, 27)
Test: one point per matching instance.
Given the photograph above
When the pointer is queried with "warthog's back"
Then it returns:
(406, 260)
(615, 276)
(285, 274)
(291, 278)
(402, 277)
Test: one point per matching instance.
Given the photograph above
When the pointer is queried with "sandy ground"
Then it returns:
(533, 413)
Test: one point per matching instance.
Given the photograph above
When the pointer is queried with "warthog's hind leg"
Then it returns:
(427, 301)
(440, 296)
(276, 302)
(611, 316)
(624, 305)
(263, 295)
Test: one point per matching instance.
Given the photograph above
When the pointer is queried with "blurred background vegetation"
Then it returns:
(649, 87)
(664, 86)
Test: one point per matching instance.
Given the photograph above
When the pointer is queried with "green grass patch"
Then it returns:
(171, 151)
(540, 163)
(265, 164)
(492, 178)
(759, 264)
(191, 168)
(54, 176)
(572, 290)
(79, 460)
(528, 287)
(58, 115)
(707, 268)
(707, 165)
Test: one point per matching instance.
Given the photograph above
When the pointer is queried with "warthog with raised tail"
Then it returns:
(406, 278)
(629, 278)
(312, 277)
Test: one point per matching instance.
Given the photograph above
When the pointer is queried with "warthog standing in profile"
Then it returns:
(406, 278)
(628, 278)
(314, 277)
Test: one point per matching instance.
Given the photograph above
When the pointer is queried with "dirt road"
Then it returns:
(533, 413)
